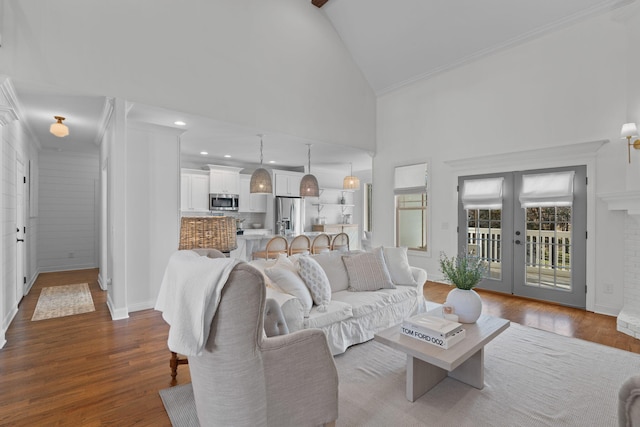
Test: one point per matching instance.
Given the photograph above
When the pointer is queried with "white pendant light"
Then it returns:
(58, 128)
(351, 182)
(309, 184)
(260, 178)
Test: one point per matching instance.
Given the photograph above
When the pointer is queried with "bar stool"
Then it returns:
(321, 243)
(340, 242)
(299, 244)
(277, 245)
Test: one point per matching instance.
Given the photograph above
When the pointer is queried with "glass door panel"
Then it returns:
(481, 234)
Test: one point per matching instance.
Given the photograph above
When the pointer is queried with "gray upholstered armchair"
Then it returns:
(629, 403)
(246, 379)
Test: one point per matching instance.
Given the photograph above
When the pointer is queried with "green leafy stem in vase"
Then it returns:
(465, 272)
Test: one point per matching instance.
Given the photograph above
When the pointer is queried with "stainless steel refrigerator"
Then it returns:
(289, 215)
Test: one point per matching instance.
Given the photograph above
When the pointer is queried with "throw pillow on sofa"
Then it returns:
(316, 280)
(331, 263)
(292, 284)
(398, 265)
(367, 271)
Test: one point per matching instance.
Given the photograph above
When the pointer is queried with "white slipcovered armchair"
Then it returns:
(246, 379)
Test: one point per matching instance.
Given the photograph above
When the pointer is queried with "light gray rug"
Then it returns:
(532, 378)
(63, 300)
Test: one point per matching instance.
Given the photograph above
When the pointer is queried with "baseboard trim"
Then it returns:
(609, 311)
(5, 325)
(142, 306)
(116, 314)
(66, 268)
(101, 283)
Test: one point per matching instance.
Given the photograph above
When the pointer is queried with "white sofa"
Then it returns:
(350, 317)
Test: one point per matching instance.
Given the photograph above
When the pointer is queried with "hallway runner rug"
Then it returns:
(65, 300)
(532, 378)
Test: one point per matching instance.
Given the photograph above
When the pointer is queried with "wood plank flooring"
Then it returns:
(561, 320)
(87, 370)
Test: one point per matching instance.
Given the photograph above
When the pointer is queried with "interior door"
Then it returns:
(20, 231)
(537, 251)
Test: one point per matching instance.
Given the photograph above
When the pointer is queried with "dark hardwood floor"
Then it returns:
(87, 370)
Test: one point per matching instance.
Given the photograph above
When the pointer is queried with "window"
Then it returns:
(411, 207)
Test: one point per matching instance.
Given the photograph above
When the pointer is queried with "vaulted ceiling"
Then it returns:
(393, 42)
(398, 42)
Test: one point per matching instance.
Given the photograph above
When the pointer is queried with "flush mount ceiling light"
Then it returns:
(309, 184)
(351, 182)
(179, 123)
(58, 128)
(260, 178)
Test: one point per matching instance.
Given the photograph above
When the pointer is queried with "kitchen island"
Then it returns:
(248, 244)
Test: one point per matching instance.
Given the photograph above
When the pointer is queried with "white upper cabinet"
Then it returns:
(194, 190)
(224, 179)
(250, 202)
(287, 184)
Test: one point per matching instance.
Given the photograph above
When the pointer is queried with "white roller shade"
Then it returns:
(547, 189)
(482, 193)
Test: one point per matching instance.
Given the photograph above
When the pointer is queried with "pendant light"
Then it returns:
(58, 128)
(309, 184)
(351, 182)
(260, 178)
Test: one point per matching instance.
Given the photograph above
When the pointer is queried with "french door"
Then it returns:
(533, 248)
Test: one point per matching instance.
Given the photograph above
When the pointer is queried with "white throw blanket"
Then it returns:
(189, 297)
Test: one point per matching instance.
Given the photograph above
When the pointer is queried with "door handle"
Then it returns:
(19, 240)
(517, 242)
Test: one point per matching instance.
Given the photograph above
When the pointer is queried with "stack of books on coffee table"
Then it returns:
(434, 330)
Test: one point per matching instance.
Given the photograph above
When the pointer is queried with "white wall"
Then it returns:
(68, 208)
(152, 210)
(275, 65)
(568, 87)
(17, 144)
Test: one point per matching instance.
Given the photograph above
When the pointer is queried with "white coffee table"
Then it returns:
(427, 364)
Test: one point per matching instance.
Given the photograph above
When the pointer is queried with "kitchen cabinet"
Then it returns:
(287, 184)
(224, 179)
(248, 202)
(194, 190)
(333, 229)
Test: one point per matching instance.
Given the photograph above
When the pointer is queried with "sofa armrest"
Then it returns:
(301, 379)
(291, 307)
(420, 276)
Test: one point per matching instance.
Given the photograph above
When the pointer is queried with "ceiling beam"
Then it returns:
(319, 3)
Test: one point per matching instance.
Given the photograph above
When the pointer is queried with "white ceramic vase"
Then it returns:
(466, 304)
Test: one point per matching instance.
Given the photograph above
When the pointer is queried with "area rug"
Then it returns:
(64, 300)
(532, 378)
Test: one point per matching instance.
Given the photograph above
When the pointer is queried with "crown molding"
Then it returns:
(13, 111)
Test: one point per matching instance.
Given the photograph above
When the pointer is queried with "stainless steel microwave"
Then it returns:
(223, 202)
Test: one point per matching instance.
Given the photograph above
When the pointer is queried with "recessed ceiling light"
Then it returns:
(272, 161)
(228, 156)
(179, 123)
(204, 153)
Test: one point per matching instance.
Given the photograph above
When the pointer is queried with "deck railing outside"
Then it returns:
(544, 249)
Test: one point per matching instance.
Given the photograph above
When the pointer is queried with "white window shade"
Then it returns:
(547, 189)
(413, 176)
(482, 193)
